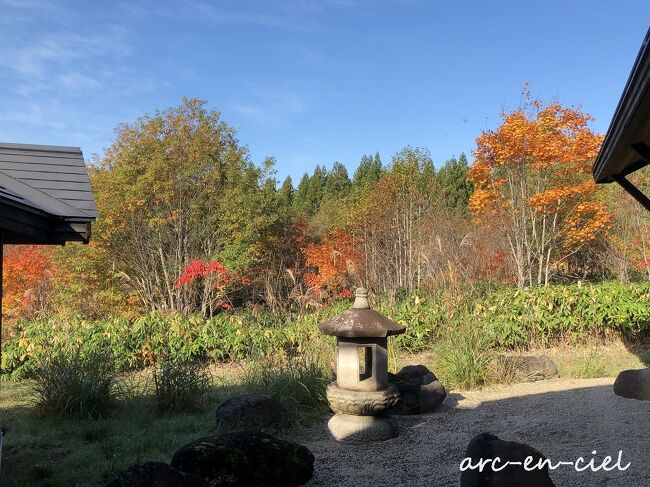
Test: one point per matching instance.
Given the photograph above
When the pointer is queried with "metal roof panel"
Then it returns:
(53, 178)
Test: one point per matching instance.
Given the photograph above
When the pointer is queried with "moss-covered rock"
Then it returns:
(246, 459)
(252, 411)
(419, 389)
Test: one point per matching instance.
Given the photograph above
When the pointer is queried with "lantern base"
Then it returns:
(362, 429)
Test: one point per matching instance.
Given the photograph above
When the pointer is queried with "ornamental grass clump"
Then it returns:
(181, 386)
(74, 385)
(465, 359)
(299, 384)
(592, 366)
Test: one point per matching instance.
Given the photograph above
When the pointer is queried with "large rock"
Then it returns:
(633, 384)
(530, 367)
(252, 411)
(247, 458)
(486, 446)
(157, 474)
(420, 391)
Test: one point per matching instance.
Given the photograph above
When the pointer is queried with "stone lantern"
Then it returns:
(361, 392)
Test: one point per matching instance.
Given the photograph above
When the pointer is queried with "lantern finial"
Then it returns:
(361, 299)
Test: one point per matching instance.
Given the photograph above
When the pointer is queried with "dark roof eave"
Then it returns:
(40, 147)
(37, 211)
(630, 124)
(24, 224)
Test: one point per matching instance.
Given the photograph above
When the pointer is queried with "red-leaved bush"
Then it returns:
(214, 278)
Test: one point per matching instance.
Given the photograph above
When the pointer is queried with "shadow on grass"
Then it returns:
(41, 450)
(640, 348)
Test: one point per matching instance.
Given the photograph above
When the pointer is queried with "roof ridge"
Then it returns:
(41, 148)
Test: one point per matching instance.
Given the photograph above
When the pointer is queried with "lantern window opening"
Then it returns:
(365, 361)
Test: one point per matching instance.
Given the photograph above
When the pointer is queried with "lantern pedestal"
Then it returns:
(361, 429)
(358, 414)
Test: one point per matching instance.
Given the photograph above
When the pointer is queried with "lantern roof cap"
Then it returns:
(360, 321)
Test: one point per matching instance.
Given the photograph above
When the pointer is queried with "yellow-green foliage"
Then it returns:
(506, 318)
(575, 313)
(158, 337)
(464, 359)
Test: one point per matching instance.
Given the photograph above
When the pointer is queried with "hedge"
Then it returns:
(510, 318)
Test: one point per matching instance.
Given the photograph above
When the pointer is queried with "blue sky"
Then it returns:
(309, 81)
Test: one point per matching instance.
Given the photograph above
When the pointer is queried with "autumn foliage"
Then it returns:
(532, 178)
(185, 213)
(331, 260)
(213, 277)
(28, 270)
(200, 269)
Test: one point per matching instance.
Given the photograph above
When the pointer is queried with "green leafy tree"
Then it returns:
(391, 222)
(173, 187)
(427, 177)
(285, 193)
(414, 169)
(368, 173)
(250, 220)
(317, 184)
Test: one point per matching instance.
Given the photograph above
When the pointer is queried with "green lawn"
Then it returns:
(63, 451)
(51, 451)
(599, 361)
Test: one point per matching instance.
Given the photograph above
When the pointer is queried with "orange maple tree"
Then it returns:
(27, 269)
(331, 261)
(532, 177)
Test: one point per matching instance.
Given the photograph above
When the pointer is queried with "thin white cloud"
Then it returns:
(293, 15)
(31, 4)
(258, 114)
(31, 114)
(271, 107)
(79, 81)
(53, 77)
(33, 56)
(290, 17)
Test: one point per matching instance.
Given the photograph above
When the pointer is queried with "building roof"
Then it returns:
(45, 194)
(361, 322)
(628, 137)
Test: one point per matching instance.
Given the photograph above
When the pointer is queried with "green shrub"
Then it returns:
(573, 314)
(180, 386)
(74, 384)
(509, 317)
(464, 359)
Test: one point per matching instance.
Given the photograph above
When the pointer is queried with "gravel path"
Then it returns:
(563, 418)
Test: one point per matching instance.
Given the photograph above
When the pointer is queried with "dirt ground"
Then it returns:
(563, 418)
